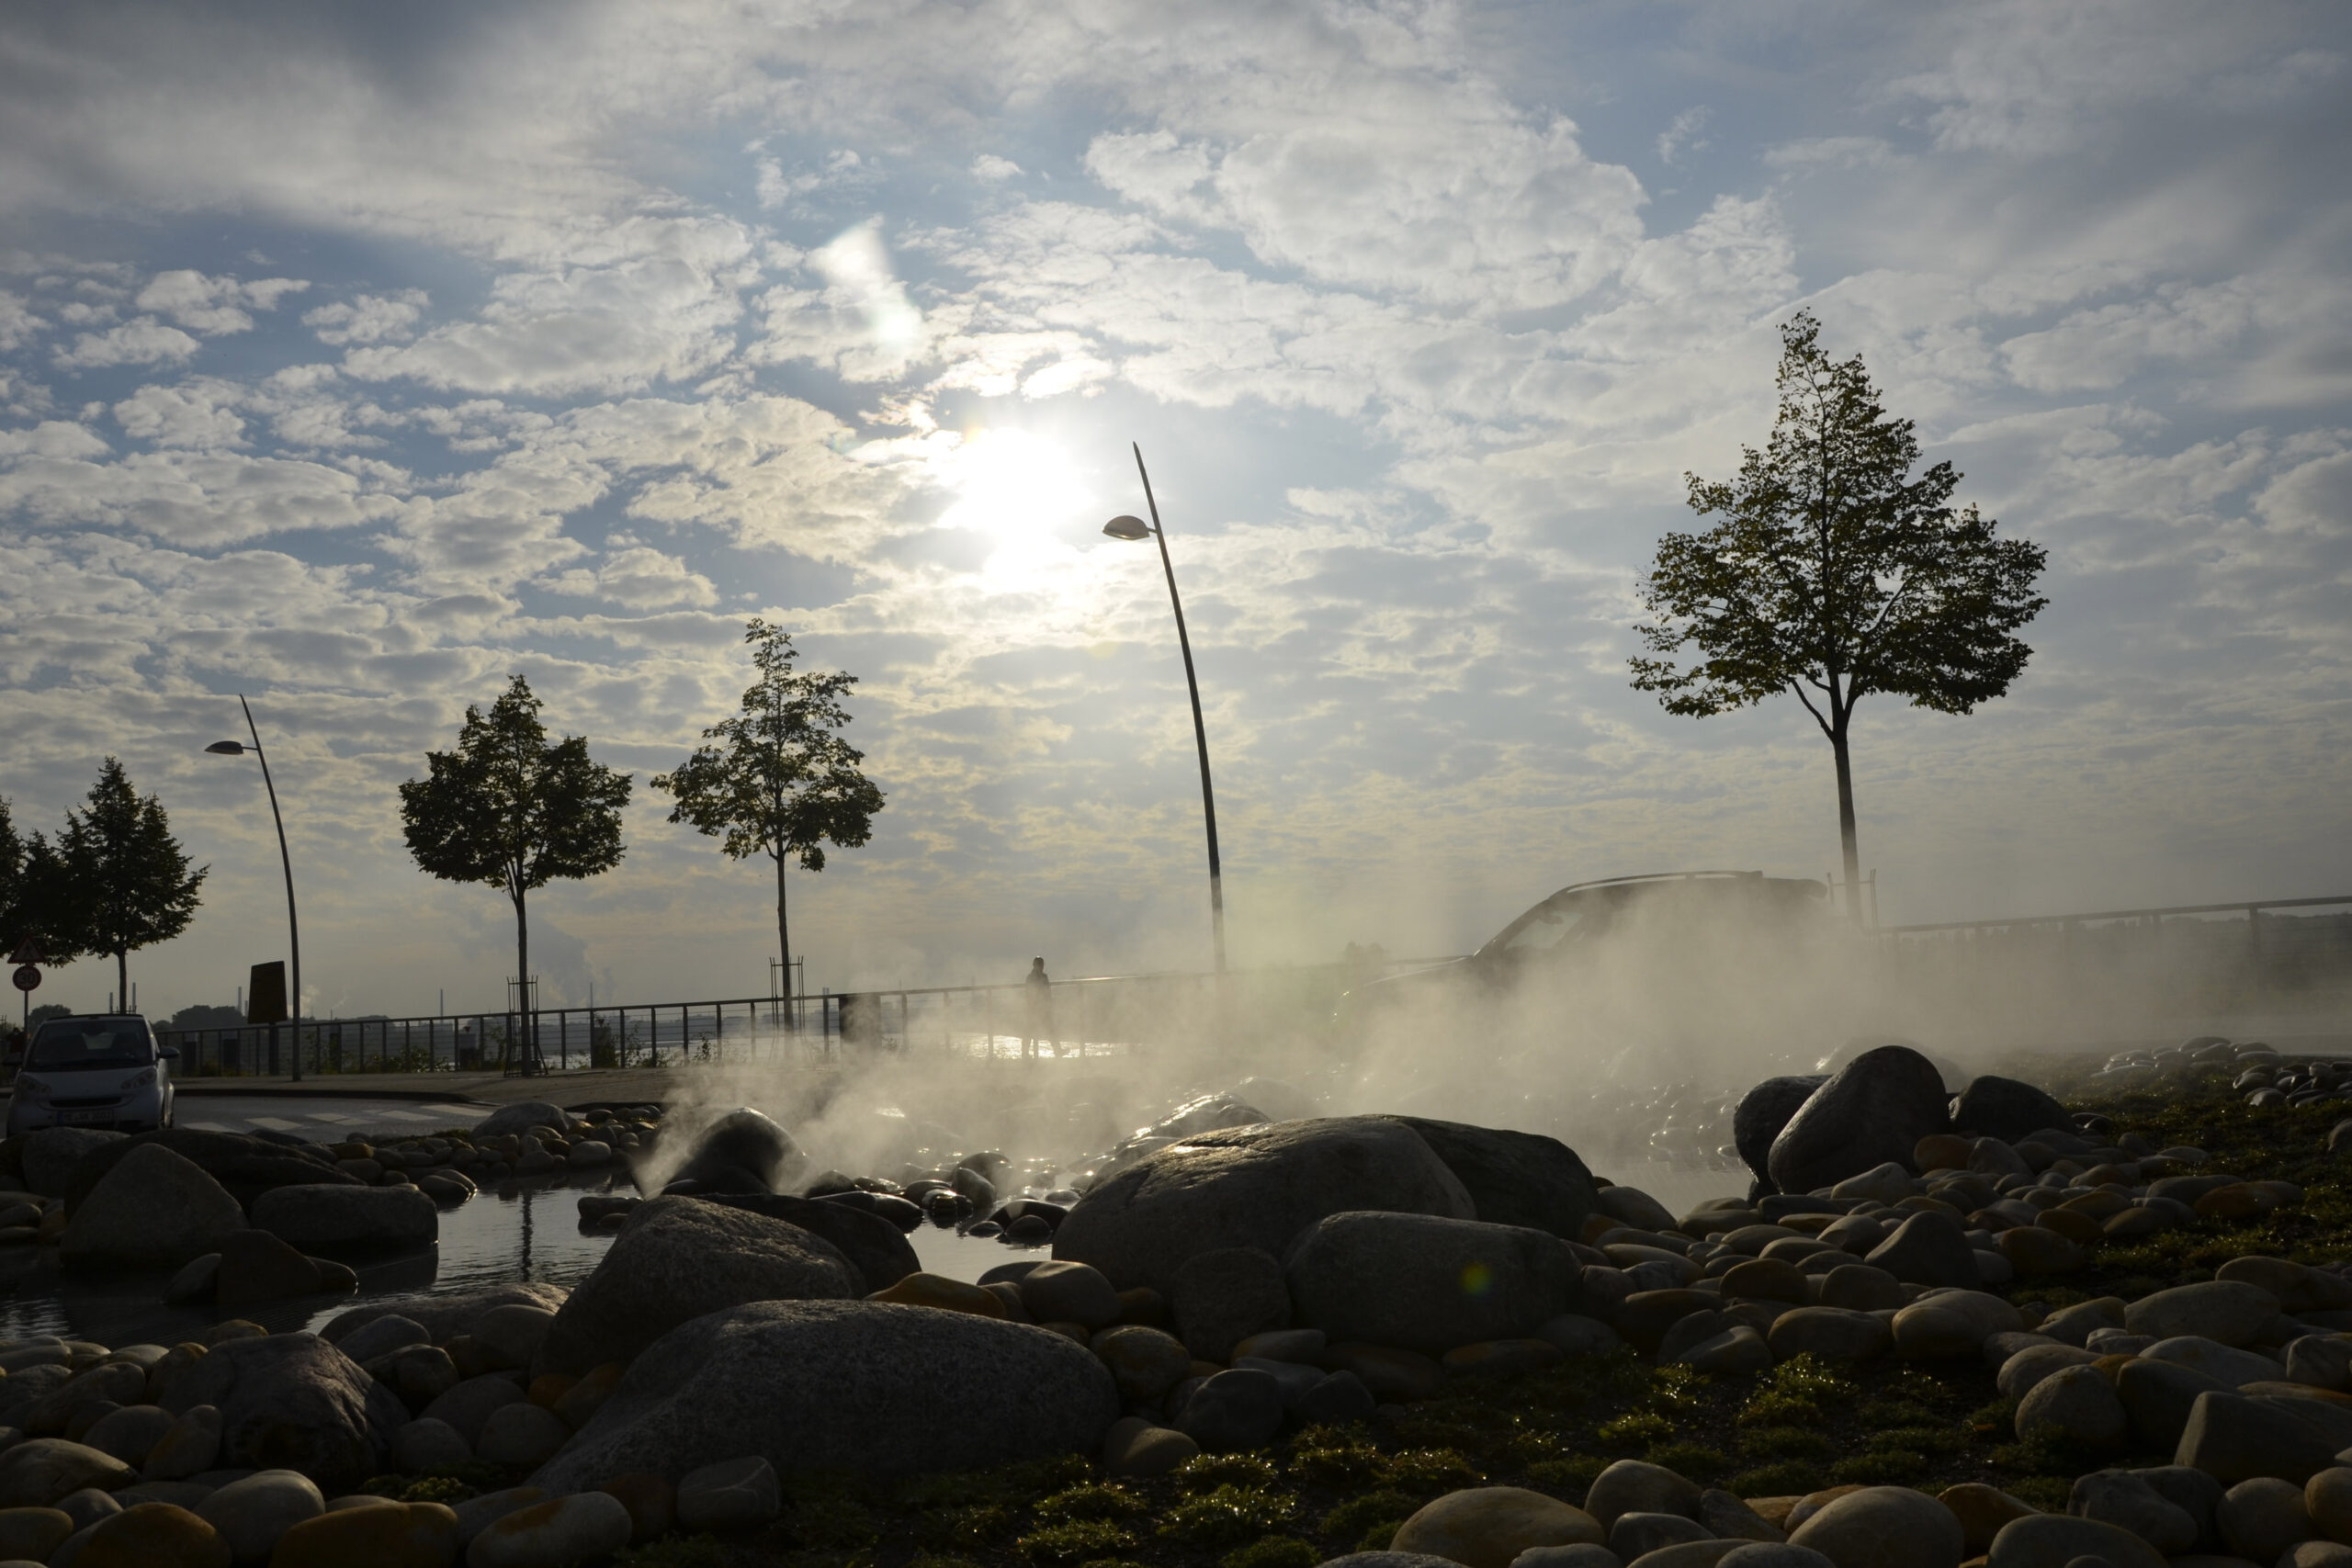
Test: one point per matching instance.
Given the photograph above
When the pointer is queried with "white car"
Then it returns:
(96, 1071)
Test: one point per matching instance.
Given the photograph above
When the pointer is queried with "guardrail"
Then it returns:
(1096, 1016)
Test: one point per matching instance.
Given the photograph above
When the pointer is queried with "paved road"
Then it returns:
(323, 1118)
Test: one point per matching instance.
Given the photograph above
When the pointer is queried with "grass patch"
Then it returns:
(1788, 1478)
(1639, 1431)
(1227, 1516)
(1073, 1541)
(1784, 1442)
(1880, 1467)
(1273, 1552)
(1695, 1460)
(1207, 1473)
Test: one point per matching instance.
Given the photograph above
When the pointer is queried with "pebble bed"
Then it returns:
(2125, 1340)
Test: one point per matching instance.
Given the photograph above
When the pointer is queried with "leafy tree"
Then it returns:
(778, 781)
(116, 880)
(512, 809)
(1835, 574)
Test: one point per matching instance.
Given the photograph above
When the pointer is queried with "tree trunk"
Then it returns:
(523, 975)
(1846, 825)
(122, 979)
(783, 934)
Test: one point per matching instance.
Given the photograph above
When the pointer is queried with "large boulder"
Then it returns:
(292, 1402)
(1876, 1109)
(248, 1167)
(520, 1117)
(2006, 1108)
(1256, 1185)
(1515, 1179)
(349, 1222)
(743, 1151)
(1763, 1111)
(153, 1210)
(442, 1317)
(1427, 1283)
(866, 1387)
(678, 1259)
(51, 1156)
(878, 1250)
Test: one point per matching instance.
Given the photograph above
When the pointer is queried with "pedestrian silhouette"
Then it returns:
(1041, 1011)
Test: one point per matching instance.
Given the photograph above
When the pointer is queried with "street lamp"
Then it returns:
(1134, 528)
(293, 932)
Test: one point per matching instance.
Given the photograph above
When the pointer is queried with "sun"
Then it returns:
(1015, 487)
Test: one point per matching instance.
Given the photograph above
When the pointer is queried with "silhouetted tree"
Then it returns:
(1835, 574)
(512, 809)
(116, 880)
(778, 781)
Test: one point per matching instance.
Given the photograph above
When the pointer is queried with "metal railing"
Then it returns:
(1100, 1015)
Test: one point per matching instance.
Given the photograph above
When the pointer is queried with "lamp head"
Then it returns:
(228, 747)
(1126, 527)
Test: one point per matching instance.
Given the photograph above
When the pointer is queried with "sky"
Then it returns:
(355, 358)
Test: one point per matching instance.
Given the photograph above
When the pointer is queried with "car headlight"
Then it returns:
(30, 1087)
(143, 1080)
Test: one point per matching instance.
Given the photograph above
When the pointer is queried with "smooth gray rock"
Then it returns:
(522, 1114)
(1257, 1185)
(1425, 1282)
(1726, 1515)
(1929, 1248)
(2191, 1490)
(2027, 1366)
(734, 1495)
(743, 1151)
(467, 1407)
(875, 1248)
(2078, 1403)
(2263, 1518)
(1062, 1292)
(521, 1436)
(863, 1386)
(2229, 1310)
(1636, 1486)
(425, 1444)
(349, 1222)
(1762, 1113)
(129, 1433)
(2124, 1498)
(2054, 1541)
(155, 1210)
(1767, 1554)
(381, 1337)
(50, 1155)
(2233, 1437)
(2007, 1108)
(443, 1317)
(1634, 1535)
(293, 1402)
(1337, 1397)
(1224, 1296)
(1860, 1526)
(38, 1472)
(676, 1259)
(1514, 1178)
(253, 1513)
(1876, 1109)
(1237, 1408)
(246, 1166)
(2158, 1396)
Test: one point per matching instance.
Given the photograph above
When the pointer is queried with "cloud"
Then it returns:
(144, 340)
(640, 578)
(1683, 135)
(198, 414)
(988, 166)
(191, 499)
(213, 306)
(367, 318)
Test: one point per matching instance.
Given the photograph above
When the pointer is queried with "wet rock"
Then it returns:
(2124, 1499)
(244, 1165)
(153, 1210)
(855, 1385)
(1145, 1363)
(1255, 1187)
(252, 1513)
(2263, 1517)
(1875, 1109)
(2229, 1310)
(293, 1402)
(877, 1249)
(1929, 1248)
(1762, 1113)
(943, 1294)
(2007, 1108)
(1885, 1526)
(1513, 1178)
(256, 1266)
(1133, 1447)
(521, 1117)
(734, 1495)
(510, 1335)
(677, 1260)
(1635, 1486)
(743, 1151)
(2057, 1541)
(349, 1222)
(1488, 1527)
(1070, 1292)
(1425, 1282)
(443, 1317)
(1236, 1409)
(381, 1337)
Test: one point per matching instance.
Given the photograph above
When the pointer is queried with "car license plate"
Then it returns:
(83, 1118)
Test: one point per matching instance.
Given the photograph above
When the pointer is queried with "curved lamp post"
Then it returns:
(1134, 528)
(293, 933)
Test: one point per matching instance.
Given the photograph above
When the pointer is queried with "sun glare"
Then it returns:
(1014, 487)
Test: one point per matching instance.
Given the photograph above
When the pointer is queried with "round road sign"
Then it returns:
(26, 977)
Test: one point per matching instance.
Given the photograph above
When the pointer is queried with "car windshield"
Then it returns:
(65, 1045)
(1541, 929)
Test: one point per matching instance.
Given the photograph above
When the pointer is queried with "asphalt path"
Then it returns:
(321, 1118)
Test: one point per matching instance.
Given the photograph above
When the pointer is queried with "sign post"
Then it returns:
(27, 979)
